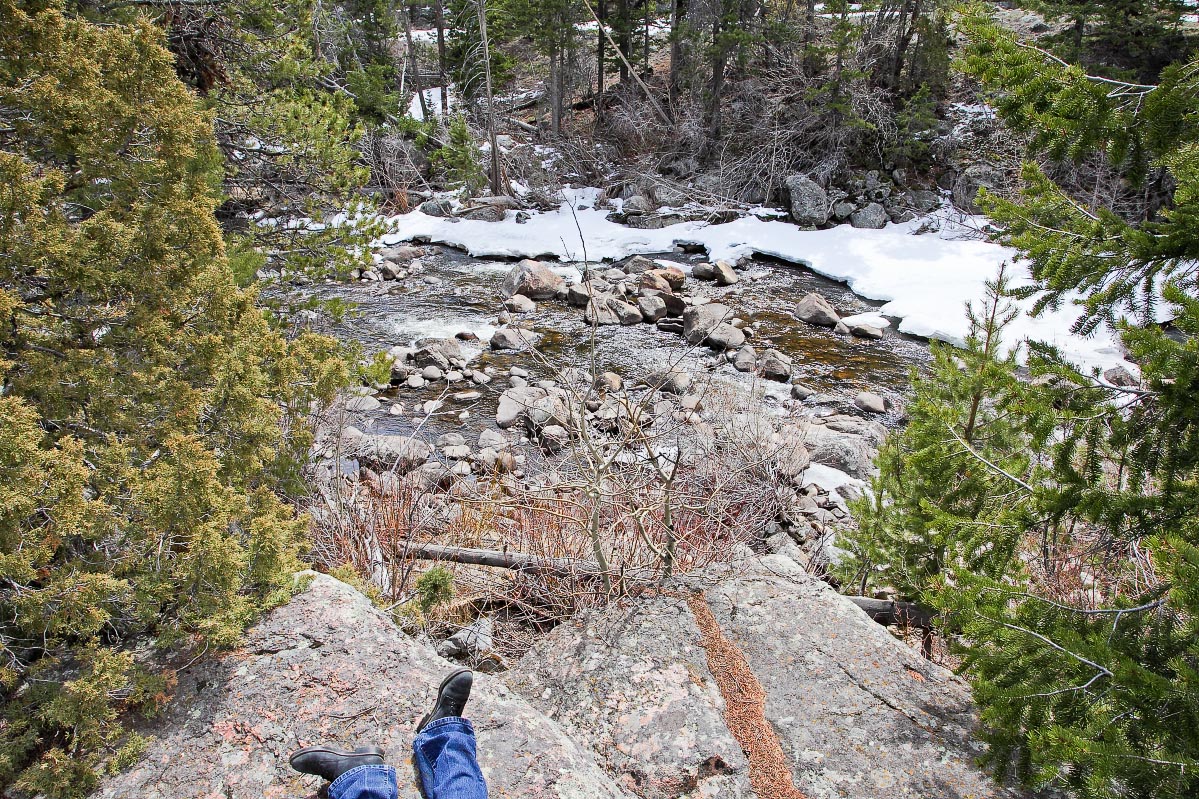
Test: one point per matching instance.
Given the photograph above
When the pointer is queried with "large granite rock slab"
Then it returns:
(633, 685)
(858, 715)
(329, 667)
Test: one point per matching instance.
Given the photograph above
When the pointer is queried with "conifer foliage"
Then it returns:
(148, 411)
(1053, 518)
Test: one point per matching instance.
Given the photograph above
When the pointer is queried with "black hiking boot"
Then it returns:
(451, 697)
(329, 763)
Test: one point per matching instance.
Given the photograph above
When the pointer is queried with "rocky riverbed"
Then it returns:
(444, 294)
(501, 369)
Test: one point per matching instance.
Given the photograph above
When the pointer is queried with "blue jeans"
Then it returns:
(444, 753)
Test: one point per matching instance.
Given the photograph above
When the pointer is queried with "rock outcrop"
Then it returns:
(747, 680)
(856, 713)
(329, 667)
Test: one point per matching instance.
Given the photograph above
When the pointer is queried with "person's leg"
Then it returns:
(352, 774)
(365, 782)
(444, 753)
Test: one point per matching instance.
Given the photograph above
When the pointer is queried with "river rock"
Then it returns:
(437, 208)
(675, 305)
(870, 402)
(652, 308)
(533, 279)
(654, 280)
(415, 381)
(399, 454)
(432, 373)
(703, 271)
(493, 439)
(554, 437)
(674, 277)
(1119, 376)
(440, 352)
(401, 254)
(922, 201)
(864, 330)
(809, 202)
(457, 452)
(609, 310)
(848, 452)
(699, 321)
(482, 213)
(519, 303)
(816, 310)
(670, 381)
(638, 264)
(362, 404)
(872, 217)
(843, 210)
(547, 405)
(725, 337)
(579, 294)
(746, 359)
(725, 274)
(638, 204)
(473, 641)
(610, 381)
(429, 477)
(514, 338)
(776, 366)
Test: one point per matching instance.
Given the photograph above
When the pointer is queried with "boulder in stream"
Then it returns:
(700, 320)
(533, 279)
(816, 310)
(514, 338)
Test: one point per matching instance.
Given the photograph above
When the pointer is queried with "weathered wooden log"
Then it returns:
(887, 612)
(883, 611)
(517, 561)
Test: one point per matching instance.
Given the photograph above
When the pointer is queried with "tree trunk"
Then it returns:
(442, 72)
(416, 83)
(623, 37)
(678, 9)
(600, 56)
(645, 44)
(912, 11)
(494, 172)
(553, 89)
(517, 561)
(716, 82)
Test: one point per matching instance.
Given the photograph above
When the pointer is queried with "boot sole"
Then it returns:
(373, 751)
(425, 719)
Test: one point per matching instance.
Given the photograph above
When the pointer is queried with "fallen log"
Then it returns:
(888, 613)
(885, 612)
(517, 561)
(908, 614)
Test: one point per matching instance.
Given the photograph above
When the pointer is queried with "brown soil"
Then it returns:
(744, 708)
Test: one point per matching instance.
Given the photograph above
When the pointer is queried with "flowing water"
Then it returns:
(456, 293)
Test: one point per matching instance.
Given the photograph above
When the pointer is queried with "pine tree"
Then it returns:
(949, 496)
(1130, 38)
(149, 412)
(1078, 625)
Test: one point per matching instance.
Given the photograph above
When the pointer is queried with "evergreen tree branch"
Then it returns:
(987, 463)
